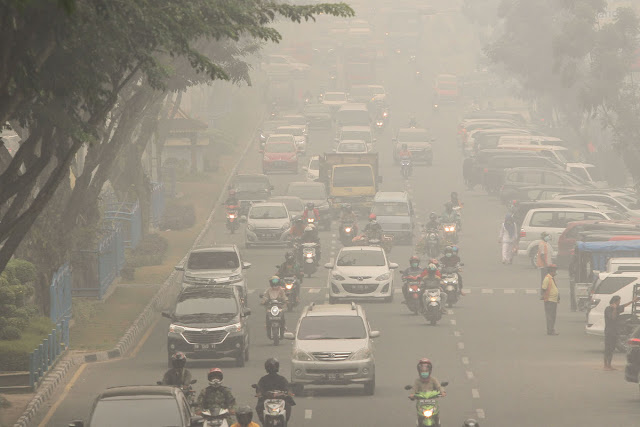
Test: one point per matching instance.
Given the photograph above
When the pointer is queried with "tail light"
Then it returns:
(523, 233)
(501, 188)
(634, 342)
(485, 170)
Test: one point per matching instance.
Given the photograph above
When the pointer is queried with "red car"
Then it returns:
(280, 154)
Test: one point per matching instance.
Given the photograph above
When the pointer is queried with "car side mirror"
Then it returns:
(247, 312)
(196, 421)
(167, 315)
(179, 268)
(393, 265)
(254, 385)
(408, 387)
(374, 334)
(444, 383)
(193, 381)
(289, 336)
(328, 265)
(243, 218)
(246, 265)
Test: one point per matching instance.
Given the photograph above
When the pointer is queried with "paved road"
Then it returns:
(492, 347)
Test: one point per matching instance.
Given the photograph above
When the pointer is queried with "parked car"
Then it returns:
(141, 405)
(618, 200)
(588, 173)
(632, 368)
(418, 142)
(532, 193)
(524, 176)
(280, 154)
(209, 323)
(333, 346)
(620, 283)
(361, 273)
(493, 173)
(267, 224)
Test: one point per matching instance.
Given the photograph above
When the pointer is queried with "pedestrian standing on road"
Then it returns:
(611, 314)
(543, 257)
(551, 298)
(509, 238)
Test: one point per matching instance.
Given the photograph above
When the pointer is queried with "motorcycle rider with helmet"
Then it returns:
(432, 279)
(178, 375)
(449, 215)
(215, 395)
(455, 201)
(310, 209)
(232, 199)
(289, 268)
(404, 152)
(425, 381)
(272, 382)
(433, 223)
(413, 122)
(373, 230)
(348, 216)
(244, 416)
(310, 235)
(450, 259)
(297, 228)
(276, 292)
(413, 270)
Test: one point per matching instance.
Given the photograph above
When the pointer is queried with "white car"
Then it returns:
(619, 283)
(352, 146)
(267, 224)
(361, 273)
(313, 169)
(334, 100)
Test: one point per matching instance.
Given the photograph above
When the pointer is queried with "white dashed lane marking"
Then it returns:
(509, 291)
(307, 414)
(470, 375)
(456, 333)
(475, 393)
(460, 346)
(465, 360)
(314, 290)
(487, 291)
(480, 413)
(453, 321)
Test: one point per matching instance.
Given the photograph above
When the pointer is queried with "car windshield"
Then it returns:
(213, 261)
(580, 172)
(293, 205)
(268, 212)
(280, 148)
(353, 176)
(317, 108)
(391, 209)
(617, 216)
(314, 164)
(362, 258)
(207, 303)
(611, 285)
(290, 131)
(352, 147)
(332, 328)
(413, 136)
(448, 86)
(360, 135)
(143, 411)
(307, 192)
(251, 186)
(334, 97)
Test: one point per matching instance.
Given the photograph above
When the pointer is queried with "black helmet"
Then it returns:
(178, 360)
(310, 205)
(272, 365)
(448, 206)
(433, 216)
(448, 250)
(244, 415)
(470, 423)
(288, 256)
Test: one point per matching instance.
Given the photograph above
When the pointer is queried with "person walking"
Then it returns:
(509, 238)
(551, 298)
(611, 314)
(543, 257)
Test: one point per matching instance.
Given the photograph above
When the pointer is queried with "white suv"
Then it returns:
(333, 346)
(619, 283)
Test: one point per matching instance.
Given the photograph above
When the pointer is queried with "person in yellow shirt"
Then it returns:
(551, 298)
(244, 415)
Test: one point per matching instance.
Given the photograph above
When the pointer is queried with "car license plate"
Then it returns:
(334, 376)
(203, 346)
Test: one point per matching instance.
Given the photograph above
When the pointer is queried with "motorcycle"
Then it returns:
(432, 303)
(379, 125)
(309, 258)
(436, 107)
(292, 291)
(583, 296)
(405, 167)
(232, 218)
(432, 243)
(450, 233)
(275, 320)
(215, 417)
(414, 293)
(347, 232)
(417, 75)
(187, 390)
(450, 280)
(275, 408)
(427, 407)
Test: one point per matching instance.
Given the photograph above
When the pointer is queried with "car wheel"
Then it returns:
(247, 245)
(240, 358)
(332, 300)
(169, 364)
(298, 389)
(370, 387)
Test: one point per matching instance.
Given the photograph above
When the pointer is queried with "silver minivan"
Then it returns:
(394, 212)
(554, 221)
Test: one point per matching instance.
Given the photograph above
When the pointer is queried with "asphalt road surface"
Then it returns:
(492, 347)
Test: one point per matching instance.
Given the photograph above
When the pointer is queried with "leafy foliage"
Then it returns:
(15, 291)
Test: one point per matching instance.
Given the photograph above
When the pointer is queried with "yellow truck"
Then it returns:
(350, 178)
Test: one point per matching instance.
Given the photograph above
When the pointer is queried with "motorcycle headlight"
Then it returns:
(308, 254)
(384, 276)
(428, 413)
(434, 299)
(275, 310)
(347, 230)
(302, 356)
(236, 327)
(251, 227)
(311, 220)
(362, 354)
(336, 276)
(288, 286)
(175, 329)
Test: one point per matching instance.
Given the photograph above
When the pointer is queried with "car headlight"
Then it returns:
(382, 277)
(175, 329)
(236, 327)
(347, 230)
(251, 227)
(302, 356)
(336, 276)
(362, 354)
(428, 413)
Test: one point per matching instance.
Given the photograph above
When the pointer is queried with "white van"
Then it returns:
(623, 264)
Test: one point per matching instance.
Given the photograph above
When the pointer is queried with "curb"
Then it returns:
(55, 377)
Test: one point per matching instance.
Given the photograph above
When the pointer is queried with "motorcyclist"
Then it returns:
(232, 199)
(455, 201)
(310, 235)
(373, 229)
(244, 415)
(425, 381)
(432, 279)
(297, 228)
(413, 270)
(449, 215)
(450, 259)
(348, 216)
(275, 292)
(216, 395)
(272, 382)
(433, 223)
(310, 210)
(178, 375)
(404, 152)
(290, 267)
(413, 122)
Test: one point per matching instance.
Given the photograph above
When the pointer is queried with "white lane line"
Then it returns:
(334, 236)
(470, 375)
(530, 291)
(487, 291)
(460, 346)
(453, 321)
(314, 290)
(480, 413)
(307, 414)
(252, 291)
(465, 360)
(509, 291)
(456, 333)
(467, 291)
(475, 393)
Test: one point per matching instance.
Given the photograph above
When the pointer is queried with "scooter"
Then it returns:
(414, 293)
(275, 320)
(450, 233)
(309, 258)
(405, 167)
(232, 218)
(275, 408)
(292, 291)
(432, 243)
(347, 233)
(216, 417)
(432, 303)
(427, 407)
(450, 280)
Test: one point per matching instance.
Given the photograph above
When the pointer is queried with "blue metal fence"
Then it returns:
(60, 294)
(45, 355)
(128, 215)
(157, 203)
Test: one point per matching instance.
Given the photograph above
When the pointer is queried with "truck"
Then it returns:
(350, 178)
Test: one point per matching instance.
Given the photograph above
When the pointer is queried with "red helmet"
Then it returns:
(372, 216)
(425, 362)
(215, 373)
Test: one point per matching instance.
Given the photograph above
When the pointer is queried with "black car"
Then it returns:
(209, 323)
(141, 406)
(632, 370)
